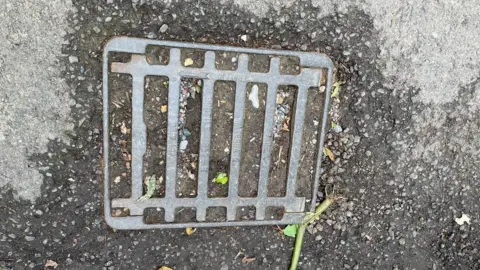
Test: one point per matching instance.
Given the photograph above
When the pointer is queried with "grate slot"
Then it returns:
(309, 74)
(297, 140)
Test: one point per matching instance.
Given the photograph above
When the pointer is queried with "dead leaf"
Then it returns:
(165, 268)
(151, 183)
(164, 108)
(190, 231)
(188, 62)
(247, 260)
(51, 263)
(124, 129)
(279, 99)
(462, 220)
(336, 89)
(191, 175)
(329, 153)
(286, 124)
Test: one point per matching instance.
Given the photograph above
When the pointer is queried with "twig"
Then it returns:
(309, 218)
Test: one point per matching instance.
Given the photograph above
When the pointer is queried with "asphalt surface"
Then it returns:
(406, 159)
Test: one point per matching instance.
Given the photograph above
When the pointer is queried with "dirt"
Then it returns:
(252, 142)
(222, 126)
(189, 131)
(156, 97)
(120, 147)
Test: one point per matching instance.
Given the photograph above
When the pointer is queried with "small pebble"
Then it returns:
(72, 59)
(164, 28)
(183, 145)
(29, 238)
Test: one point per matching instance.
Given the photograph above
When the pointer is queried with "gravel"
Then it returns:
(73, 59)
(163, 28)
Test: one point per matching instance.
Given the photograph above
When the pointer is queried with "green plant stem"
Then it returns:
(301, 230)
(298, 246)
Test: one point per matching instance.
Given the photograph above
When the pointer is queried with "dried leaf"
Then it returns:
(124, 129)
(247, 260)
(190, 231)
(165, 268)
(285, 126)
(198, 88)
(279, 99)
(336, 127)
(336, 89)
(51, 263)
(329, 153)
(290, 230)
(151, 183)
(188, 62)
(221, 178)
(164, 108)
(462, 220)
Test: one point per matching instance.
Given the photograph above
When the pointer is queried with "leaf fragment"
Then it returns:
(221, 178)
(124, 129)
(462, 220)
(247, 260)
(190, 231)
(151, 183)
(329, 153)
(188, 62)
(164, 108)
(165, 268)
(291, 230)
(253, 97)
(336, 89)
(51, 263)
(279, 99)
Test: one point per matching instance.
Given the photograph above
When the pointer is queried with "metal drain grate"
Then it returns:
(311, 67)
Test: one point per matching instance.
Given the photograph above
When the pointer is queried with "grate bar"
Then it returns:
(235, 153)
(307, 77)
(297, 202)
(268, 128)
(125, 223)
(138, 131)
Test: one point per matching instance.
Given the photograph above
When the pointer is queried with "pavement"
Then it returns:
(406, 159)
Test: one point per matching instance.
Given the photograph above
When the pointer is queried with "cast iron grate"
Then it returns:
(312, 67)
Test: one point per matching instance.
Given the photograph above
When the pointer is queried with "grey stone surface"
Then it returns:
(420, 40)
(34, 98)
